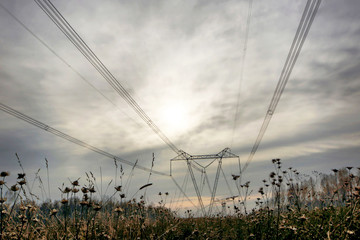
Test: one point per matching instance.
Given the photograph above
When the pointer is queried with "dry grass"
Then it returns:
(291, 206)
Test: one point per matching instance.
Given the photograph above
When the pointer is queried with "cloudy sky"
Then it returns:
(181, 62)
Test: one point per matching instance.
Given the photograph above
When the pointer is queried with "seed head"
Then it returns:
(64, 201)
(118, 210)
(54, 212)
(75, 183)
(4, 174)
(66, 190)
(84, 203)
(84, 190)
(22, 182)
(303, 218)
(21, 175)
(14, 188)
(118, 188)
(97, 207)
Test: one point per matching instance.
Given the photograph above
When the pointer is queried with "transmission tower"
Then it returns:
(195, 162)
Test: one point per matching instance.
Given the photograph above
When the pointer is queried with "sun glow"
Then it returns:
(174, 117)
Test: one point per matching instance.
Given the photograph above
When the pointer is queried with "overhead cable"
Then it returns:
(63, 60)
(52, 12)
(241, 71)
(302, 31)
(56, 132)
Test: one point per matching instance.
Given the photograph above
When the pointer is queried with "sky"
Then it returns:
(181, 62)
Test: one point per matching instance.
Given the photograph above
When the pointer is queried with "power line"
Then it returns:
(58, 133)
(63, 60)
(242, 70)
(52, 12)
(301, 34)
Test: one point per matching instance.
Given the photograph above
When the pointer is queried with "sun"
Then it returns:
(174, 117)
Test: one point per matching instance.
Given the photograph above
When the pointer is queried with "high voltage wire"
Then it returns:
(52, 12)
(58, 133)
(62, 59)
(303, 29)
(242, 70)
(69, 138)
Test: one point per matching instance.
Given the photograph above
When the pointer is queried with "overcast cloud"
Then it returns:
(181, 62)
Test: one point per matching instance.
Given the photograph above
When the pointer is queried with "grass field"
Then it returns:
(290, 206)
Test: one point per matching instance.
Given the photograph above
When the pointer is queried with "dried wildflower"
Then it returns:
(122, 195)
(334, 170)
(84, 190)
(85, 197)
(4, 174)
(21, 175)
(22, 218)
(235, 177)
(96, 207)
(2, 182)
(54, 212)
(64, 201)
(66, 190)
(118, 188)
(92, 189)
(272, 175)
(22, 182)
(118, 210)
(167, 194)
(14, 188)
(2, 200)
(75, 183)
(23, 208)
(303, 218)
(75, 190)
(349, 168)
(84, 203)
(160, 193)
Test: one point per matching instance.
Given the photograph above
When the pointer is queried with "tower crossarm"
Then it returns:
(226, 153)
